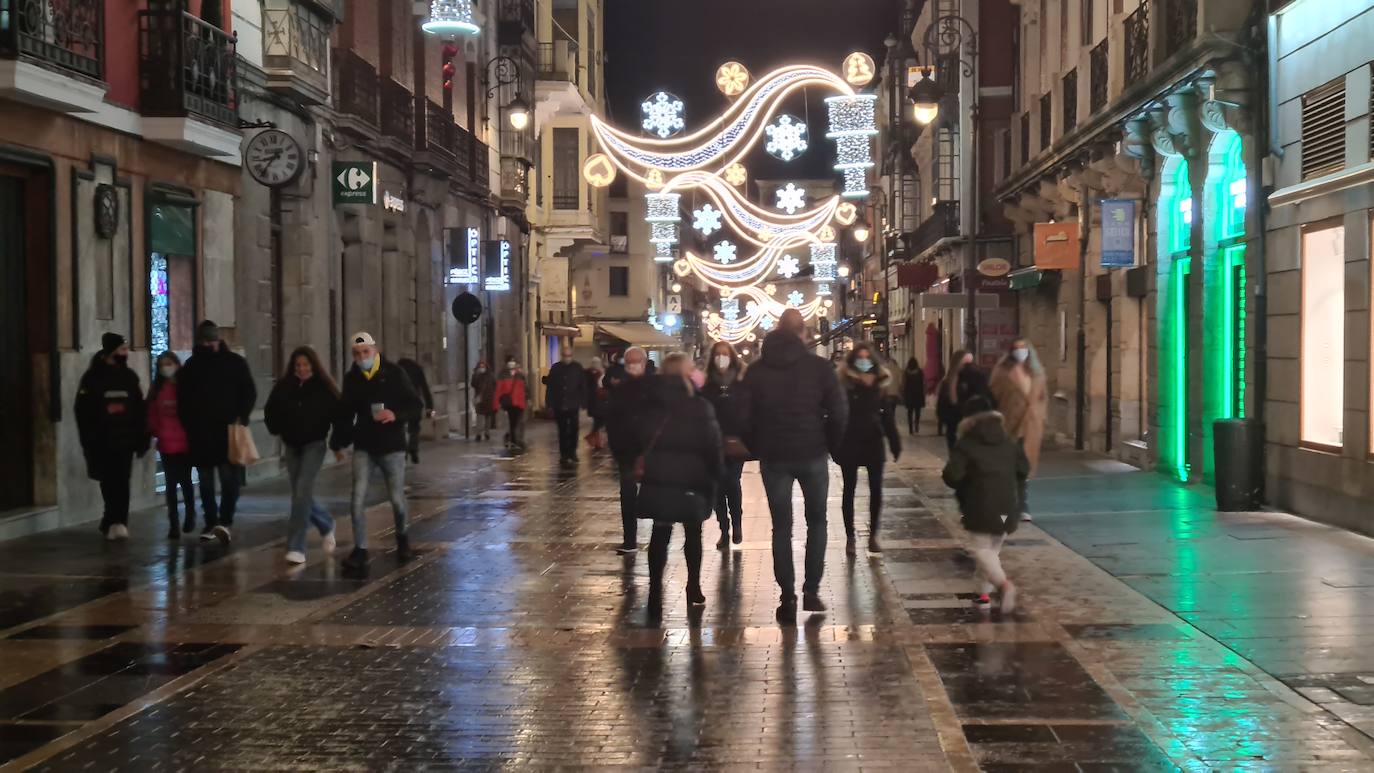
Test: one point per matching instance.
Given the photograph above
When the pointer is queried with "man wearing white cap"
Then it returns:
(378, 399)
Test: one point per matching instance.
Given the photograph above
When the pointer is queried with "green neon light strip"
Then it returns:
(1179, 324)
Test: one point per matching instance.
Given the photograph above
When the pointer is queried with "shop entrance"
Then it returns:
(24, 324)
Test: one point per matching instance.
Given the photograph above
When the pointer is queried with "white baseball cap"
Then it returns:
(362, 337)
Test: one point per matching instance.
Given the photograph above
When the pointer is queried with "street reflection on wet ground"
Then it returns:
(516, 637)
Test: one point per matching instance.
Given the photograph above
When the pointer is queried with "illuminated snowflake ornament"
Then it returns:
(706, 219)
(791, 198)
(795, 299)
(767, 323)
(729, 309)
(788, 267)
(736, 174)
(662, 115)
(786, 138)
(770, 288)
(725, 252)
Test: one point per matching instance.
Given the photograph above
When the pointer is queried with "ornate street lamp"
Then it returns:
(503, 71)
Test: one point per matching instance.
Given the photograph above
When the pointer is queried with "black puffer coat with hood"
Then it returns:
(986, 469)
(797, 410)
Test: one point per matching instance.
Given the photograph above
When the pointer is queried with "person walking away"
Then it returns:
(869, 434)
(596, 402)
(1018, 386)
(482, 387)
(300, 410)
(797, 414)
(377, 401)
(913, 394)
(215, 389)
(947, 402)
(624, 407)
(566, 394)
(164, 425)
(111, 425)
(724, 389)
(987, 469)
(682, 458)
(510, 395)
(416, 373)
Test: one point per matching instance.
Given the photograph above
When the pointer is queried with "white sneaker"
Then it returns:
(222, 534)
(295, 557)
(1026, 517)
(329, 541)
(117, 532)
(1008, 598)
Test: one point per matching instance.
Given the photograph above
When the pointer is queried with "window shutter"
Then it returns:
(1323, 129)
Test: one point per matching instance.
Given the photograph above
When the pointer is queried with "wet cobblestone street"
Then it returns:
(517, 638)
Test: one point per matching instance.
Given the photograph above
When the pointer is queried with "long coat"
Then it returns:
(483, 386)
(1023, 401)
(870, 419)
(214, 389)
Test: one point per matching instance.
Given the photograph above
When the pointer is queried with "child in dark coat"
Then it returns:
(987, 470)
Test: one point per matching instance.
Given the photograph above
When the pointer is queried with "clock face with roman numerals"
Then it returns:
(274, 158)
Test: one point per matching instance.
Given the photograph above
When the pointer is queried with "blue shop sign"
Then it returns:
(1118, 233)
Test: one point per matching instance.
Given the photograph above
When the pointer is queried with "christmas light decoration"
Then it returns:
(770, 288)
(846, 213)
(662, 207)
(653, 179)
(725, 252)
(788, 267)
(732, 78)
(786, 138)
(664, 252)
(823, 290)
(662, 115)
(729, 309)
(450, 17)
(795, 299)
(826, 234)
(598, 170)
(859, 69)
(855, 184)
(707, 219)
(852, 124)
(767, 323)
(791, 198)
(663, 233)
(735, 174)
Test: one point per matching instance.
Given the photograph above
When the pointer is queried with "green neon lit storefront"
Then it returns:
(1175, 216)
(1224, 290)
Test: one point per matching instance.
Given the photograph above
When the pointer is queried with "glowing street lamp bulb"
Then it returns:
(844, 271)
(677, 287)
(450, 17)
(925, 112)
(518, 113)
(861, 232)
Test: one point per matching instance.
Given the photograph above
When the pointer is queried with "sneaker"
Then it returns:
(787, 611)
(736, 540)
(222, 534)
(874, 546)
(402, 547)
(117, 532)
(1008, 598)
(695, 598)
(811, 602)
(329, 542)
(1026, 517)
(295, 557)
(723, 542)
(207, 534)
(627, 549)
(357, 559)
(984, 601)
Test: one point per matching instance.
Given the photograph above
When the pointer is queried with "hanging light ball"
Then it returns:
(450, 17)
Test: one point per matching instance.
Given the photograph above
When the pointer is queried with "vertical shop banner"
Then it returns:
(553, 284)
(1118, 233)
(996, 331)
(496, 265)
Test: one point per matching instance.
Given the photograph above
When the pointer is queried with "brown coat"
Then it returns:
(1024, 402)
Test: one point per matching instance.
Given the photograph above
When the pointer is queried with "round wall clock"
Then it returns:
(274, 158)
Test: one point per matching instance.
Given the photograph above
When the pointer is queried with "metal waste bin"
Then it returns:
(1235, 445)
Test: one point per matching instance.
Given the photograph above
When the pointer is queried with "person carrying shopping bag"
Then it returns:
(300, 410)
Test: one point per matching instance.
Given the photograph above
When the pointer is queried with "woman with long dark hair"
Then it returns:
(871, 422)
(724, 388)
(913, 394)
(164, 424)
(947, 401)
(301, 409)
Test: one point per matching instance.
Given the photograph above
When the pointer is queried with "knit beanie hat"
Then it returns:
(207, 332)
(109, 342)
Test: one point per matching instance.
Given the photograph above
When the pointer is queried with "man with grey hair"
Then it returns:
(797, 413)
(624, 406)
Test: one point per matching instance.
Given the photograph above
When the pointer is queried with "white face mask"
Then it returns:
(722, 361)
(167, 371)
(510, 366)
(1020, 355)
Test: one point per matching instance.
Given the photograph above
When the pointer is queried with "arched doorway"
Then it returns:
(1224, 315)
(1175, 225)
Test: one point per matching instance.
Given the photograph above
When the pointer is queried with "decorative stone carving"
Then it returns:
(1136, 139)
(1226, 103)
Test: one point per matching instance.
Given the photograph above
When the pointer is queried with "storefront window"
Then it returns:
(1323, 336)
(1175, 230)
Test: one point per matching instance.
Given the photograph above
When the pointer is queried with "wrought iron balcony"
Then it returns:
(943, 223)
(481, 166)
(1046, 120)
(558, 61)
(1137, 29)
(357, 87)
(1025, 137)
(435, 136)
(1070, 98)
(515, 22)
(186, 68)
(398, 112)
(66, 34)
(1097, 77)
(295, 49)
(1180, 25)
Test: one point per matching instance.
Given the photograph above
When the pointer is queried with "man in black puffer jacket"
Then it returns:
(565, 396)
(797, 413)
(377, 401)
(214, 389)
(110, 421)
(624, 411)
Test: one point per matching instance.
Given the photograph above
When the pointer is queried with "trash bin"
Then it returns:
(1235, 445)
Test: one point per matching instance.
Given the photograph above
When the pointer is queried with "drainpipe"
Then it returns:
(1081, 367)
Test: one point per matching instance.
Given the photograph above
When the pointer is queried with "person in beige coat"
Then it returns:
(1018, 386)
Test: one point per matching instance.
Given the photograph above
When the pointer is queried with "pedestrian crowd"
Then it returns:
(679, 435)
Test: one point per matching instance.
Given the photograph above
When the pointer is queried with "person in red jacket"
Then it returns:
(165, 426)
(509, 396)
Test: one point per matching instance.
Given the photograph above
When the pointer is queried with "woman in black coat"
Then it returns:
(301, 409)
(913, 394)
(870, 424)
(682, 459)
(724, 389)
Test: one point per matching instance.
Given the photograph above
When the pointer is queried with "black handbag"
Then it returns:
(675, 504)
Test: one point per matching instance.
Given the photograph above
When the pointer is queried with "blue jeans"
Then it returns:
(393, 469)
(302, 467)
(814, 477)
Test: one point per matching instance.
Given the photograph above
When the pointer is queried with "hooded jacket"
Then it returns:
(679, 437)
(797, 411)
(110, 417)
(870, 419)
(391, 387)
(986, 470)
(214, 389)
(300, 413)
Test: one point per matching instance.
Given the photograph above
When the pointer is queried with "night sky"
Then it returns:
(676, 46)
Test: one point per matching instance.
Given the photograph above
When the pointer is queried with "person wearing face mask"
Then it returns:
(871, 422)
(624, 415)
(111, 424)
(510, 396)
(566, 394)
(482, 386)
(1018, 386)
(300, 410)
(215, 389)
(165, 426)
(596, 402)
(913, 394)
(948, 400)
(724, 389)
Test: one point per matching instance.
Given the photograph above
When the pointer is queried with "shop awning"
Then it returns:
(637, 334)
(559, 331)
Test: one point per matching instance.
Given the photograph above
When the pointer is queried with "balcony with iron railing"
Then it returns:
(1180, 25)
(397, 112)
(515, 22)
(1025, 137)
(68, 35)
(1097, 77)
(943, 223)
(1046, 120)
(187, 67)
(557, 61)
(434, 133)
(295, 49)
(1069, 97)
(1137, 38)
(355, 92)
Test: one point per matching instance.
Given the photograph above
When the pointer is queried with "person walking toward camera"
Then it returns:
(482, 386)
(624, 408)
(377, 401)
(111, 425)
(164, 425)
(1018, 386)
(566, 395)
(869, 434)
(724, 389)
(215, 390)
(987, 470)
(300, 410)
(913, 394)
(510, 395)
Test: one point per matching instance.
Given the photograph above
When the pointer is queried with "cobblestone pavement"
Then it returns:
(516, 638)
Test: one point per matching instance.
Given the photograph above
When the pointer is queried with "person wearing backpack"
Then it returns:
(164, 425)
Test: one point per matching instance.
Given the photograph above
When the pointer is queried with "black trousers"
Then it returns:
(629, 494)
(850, 473)
(567, 432)
(176, 471)
(413, 437)
(913, 419)
(219, 513)
(115, 470)
(658, 552)
(729, 507)
(951, 433)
